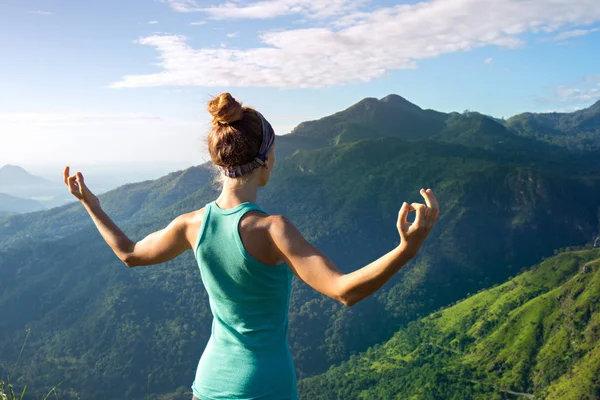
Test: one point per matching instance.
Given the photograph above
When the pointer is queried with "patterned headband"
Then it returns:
(268, 138)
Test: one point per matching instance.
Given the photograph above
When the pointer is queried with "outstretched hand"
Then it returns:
(78, 188)
(413, 235)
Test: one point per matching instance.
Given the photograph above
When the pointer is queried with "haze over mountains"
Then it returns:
(508, 198)
(31, 192)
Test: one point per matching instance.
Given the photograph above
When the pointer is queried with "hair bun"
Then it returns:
(225, 109)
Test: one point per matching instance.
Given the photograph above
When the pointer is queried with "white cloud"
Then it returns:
(232, 35)
(197, 23)
(267, 8)
(359, 46)
(570, 95)
(152, 22)
(488, 60)
(575, 33)
(183, 5)
(40, 12)
(585, 92)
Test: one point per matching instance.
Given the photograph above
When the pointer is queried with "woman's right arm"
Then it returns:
(319, 272)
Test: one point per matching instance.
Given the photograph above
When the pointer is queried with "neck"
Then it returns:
(234, 193)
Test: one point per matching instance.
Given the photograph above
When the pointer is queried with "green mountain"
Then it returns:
(535, 336)
(576, 130)
(11, 204)
(111, 332)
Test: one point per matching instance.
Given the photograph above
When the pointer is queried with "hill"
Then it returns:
(579, 130)
(13, 175)
(11, 204)
(535, 336)
(115, 333)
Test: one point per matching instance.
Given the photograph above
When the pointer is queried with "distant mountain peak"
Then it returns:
(15, 175)
(398, 101)
(12, 167)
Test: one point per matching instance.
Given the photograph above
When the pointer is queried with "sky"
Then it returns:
(124, 83)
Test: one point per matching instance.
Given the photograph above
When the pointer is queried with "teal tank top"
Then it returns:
(248, 355)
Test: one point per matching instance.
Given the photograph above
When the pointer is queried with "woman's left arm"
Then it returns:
(156, 248)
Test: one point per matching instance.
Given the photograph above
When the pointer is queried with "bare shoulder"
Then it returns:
(192, 222)
(278, 223)
(282, 229)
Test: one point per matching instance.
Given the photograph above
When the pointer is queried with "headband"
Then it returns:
(268, 138)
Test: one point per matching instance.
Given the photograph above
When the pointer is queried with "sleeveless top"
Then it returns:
(248, 355)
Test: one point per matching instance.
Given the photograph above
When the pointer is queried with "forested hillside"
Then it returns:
(114, 332)
(535, 336)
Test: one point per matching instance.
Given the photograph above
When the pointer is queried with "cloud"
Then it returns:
(575, 33)
(197, 23)
(275, 8)
(359, 46)
(585, 92)
(488, 60)
(232, 35)
(267, 8)
(152, 22)
(581, 95)
(40, 12)
(183, 5)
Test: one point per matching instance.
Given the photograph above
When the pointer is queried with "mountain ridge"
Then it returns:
(103, 327)
(11, 175)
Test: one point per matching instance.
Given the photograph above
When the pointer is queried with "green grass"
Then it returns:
(537, 335)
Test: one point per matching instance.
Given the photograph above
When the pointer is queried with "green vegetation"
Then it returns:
(106, 331)
(579, 130)
(535, 336)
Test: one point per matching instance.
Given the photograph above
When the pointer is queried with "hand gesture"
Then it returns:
(78, 188)
(413, 235)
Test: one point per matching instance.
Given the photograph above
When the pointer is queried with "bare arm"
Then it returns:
(319, 272)
(158, 247)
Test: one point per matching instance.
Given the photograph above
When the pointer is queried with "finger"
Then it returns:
(72, 184)
(432, 199)
(426, 216)
(66, 174)
(427, 196)
(420, 209)
(79, 178)
(403, 214)
(430, 217)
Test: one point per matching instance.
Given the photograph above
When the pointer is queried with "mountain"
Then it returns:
(106, 331)
(14, 204)
(394, 116)
(4, 214)
(127, 204)
(13, 175)
(576, 130)
(535, 336)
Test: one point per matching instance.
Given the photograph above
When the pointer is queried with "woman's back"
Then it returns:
(247, 356)
(238, 250)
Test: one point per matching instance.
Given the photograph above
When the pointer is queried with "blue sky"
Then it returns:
(104, 82)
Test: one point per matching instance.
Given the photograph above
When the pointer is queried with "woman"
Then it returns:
(247, 258)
